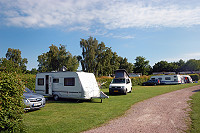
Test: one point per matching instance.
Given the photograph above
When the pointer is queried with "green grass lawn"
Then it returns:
(71, 117)
(195, 114)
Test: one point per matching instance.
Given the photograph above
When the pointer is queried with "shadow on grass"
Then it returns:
(196, 90)
(73, 101)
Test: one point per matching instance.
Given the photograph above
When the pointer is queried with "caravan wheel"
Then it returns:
(55, 97)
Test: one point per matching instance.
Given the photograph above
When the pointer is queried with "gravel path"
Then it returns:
(166, 113)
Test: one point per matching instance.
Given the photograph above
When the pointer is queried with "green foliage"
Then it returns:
(164, 66)
(104, 82)
(11, 103)
(195, 77)
(15, 56)
(28, 80)
(139, 80)
(142, 65)
(9, 66)
(56, 58)
(99, 59)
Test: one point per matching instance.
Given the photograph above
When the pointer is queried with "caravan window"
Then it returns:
(55, 80)
(167, 78)
(69, 81)
(40, 81)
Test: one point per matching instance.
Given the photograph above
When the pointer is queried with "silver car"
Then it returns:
(33, 100)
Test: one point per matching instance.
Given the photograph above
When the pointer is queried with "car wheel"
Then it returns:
(130, 90)
(125, 92)
(55, 97)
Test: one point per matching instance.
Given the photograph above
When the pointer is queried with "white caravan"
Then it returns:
(187, 79)
(75, 85)
(171, 79)
(121, 83)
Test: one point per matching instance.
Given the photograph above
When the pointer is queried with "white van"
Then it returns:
(121, 83)
(76, 85)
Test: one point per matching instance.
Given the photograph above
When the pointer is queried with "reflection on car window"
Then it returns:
(118, 81)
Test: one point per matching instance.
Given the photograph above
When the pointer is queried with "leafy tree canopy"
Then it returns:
(56, 58)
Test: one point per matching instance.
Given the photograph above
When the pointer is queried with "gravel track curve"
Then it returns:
(167, 113)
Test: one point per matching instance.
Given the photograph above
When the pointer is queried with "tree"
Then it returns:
(141, 65)
(192, 65)
(99, 59)
(15, 56)
(124, 64)
(56, 58)
(161, 66)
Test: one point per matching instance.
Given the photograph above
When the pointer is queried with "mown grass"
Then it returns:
(71, 117)
(195, 114)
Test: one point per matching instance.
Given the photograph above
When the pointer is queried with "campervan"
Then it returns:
(170, 79)
(75, 85)
(121, 83)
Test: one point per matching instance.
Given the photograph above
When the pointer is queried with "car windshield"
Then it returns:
(118, 81)
(27, 90)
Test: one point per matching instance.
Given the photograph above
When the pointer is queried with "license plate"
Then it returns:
(37, 104)
(115, 90)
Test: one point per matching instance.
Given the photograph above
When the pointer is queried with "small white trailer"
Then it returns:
(74, 85)
(172, 79)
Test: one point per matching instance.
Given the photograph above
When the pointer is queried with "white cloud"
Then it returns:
(100, 14)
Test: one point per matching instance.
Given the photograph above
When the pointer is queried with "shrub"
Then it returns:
(29, 80)
(11, 103)
(139, 80)
(104, 82)
(195, 77)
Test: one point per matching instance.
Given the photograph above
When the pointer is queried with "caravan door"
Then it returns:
(50, 85)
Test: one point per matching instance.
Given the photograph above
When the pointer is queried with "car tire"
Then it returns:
(125, 92)
(130, 90)
(55, 97)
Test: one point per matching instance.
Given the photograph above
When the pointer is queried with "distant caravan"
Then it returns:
(73, 85)
(173, 79)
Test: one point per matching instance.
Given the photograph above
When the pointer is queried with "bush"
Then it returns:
(11, 102)
(104, 82)
(29, 80)
(195, 77)
(139, 80)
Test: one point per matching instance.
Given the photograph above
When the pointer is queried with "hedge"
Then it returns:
(29, 80)
(139, 80)
(11, 103)
(195, 77)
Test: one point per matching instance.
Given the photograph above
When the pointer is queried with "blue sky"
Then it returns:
(155, 29)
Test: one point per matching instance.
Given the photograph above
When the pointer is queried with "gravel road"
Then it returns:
(166, 113)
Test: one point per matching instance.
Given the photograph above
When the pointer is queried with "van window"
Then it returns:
(40, 81)
(167, 78)
(118, 81)
(160, 79)
(56, 80)
(69, 81)
(153, 78)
